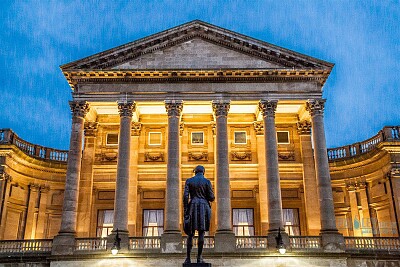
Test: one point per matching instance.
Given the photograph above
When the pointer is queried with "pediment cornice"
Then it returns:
(197, 29)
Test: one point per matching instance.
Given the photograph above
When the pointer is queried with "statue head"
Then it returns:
(198, 169)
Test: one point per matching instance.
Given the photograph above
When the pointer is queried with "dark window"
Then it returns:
(283, 137)
(240, 137)
(112, 139)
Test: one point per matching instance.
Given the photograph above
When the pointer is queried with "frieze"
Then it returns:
(126, 109)
(198, 156)
(315, 106)
(79, 108)
(268, 107)
(109, 156)
(241, 156)
(174, 107)
(286, 156)
(221, 107)
(159, 157)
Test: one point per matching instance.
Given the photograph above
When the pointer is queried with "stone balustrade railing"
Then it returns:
(7, 136)
(208, 242)
(90, 244)
(252, 242)
(305, 242)
(25, 246)
(389, 133)
(139, 243)
(372, 243)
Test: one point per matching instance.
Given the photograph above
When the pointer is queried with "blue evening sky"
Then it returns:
(361, 37)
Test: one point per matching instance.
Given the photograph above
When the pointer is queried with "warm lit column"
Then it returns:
(30, 222)
(268, 107)
(223, 194)
(70, 204)
(133, 173)
(126, 110)
(86, 181)
(262, 178)
(174, 109)
(366, 217)
(5, 181)
(328, 221)
(64, 242)
(309, 181)
(42, 212)
(355, 216)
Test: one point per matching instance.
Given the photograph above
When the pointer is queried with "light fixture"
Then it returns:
(279, 243)
(117, 245)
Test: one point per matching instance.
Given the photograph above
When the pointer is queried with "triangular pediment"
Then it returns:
(197, 45)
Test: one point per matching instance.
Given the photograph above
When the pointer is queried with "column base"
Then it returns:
(332, 241)
(63, 244)
(272, 242)
(124, 243)
(225, 241)
(196, 265)
(171, 242)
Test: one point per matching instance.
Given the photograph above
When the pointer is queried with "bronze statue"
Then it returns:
(197, 210)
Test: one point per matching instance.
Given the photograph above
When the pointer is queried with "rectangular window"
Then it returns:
(155, 138)
(243, 222)
(197, 138)
(112, 139)
(291, 221)
(153, 222)
(240, 137)
(283, 137)
(105, 221)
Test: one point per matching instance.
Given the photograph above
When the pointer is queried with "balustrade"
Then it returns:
(144, 243)
(208, 242)
(243, 242)
(90, 244)
(372, 243)
(305, 242)
(25, 246)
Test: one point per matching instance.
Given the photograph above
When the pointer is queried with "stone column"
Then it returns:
(30, 222)
(268, 108)
(64, 242)
(5, 193)
(224, 236)
(366, 226)
(171, 240)
(42, 212)
(133, 174)
(86, 181)
(309, 181)
(331, 238)
(126, 110)
(262, 178)
(355, 216)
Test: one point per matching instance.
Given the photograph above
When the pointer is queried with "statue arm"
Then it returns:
(186, 198)
(210, 193)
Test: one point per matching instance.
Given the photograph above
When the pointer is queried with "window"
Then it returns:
(155, 138)
(291, 221)
(197, 138)
(112, 139)
(153, 222)
(283, 137)
(243, 222)
(105, 221)
(240, 137)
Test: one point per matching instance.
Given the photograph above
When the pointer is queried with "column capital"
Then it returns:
(315, 106)
(79, 108)
(5, 176)
(174, 107)
(267, 107)
(258, 127)
(34, 187)
(90, 128)
(126, 109)
(136, 127)
(221, 107)
(304, 127)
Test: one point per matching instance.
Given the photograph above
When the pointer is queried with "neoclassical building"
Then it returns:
(144, 114)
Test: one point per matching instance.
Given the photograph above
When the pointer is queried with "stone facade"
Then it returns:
(149, 111)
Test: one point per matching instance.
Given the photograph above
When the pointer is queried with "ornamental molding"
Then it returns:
(259, 127)
(221, 107)
(159, 157)
(198, 156)
(315, 106)
(90, 128)
(268, 107)
(304, 127)
(174, 107)
(79, 108)
(136, 128)
(126, 109)
(241, 156)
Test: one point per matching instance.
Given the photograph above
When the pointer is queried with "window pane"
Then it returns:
(291, 221)
(154, 138)
(283, 137)
(112, 139)
(197, 138)
(240, 138)
(243, 222)
(153, 222)
(105, 222)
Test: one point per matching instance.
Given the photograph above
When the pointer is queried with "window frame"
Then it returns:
(234, 137)
(152, 227)
(288, 137)
(99, 229)
(108, 144)
(149, 139)
(243, 226)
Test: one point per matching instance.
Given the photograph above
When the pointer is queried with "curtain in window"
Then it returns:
(153, 222)
(243, 222)
(105, 221)
(291, 221)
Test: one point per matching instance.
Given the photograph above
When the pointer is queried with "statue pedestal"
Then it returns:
(196, 265)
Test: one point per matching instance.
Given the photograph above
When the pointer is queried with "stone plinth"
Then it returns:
(225, 242)
(63, 244)
(171, 242)
(196, 265)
